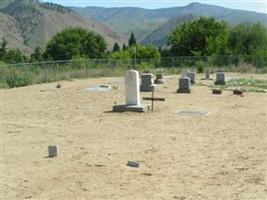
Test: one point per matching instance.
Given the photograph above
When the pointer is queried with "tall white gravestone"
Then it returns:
(132, 92)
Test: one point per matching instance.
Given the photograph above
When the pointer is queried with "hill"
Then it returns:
(159, 36)
(28, 24)
(144, 21)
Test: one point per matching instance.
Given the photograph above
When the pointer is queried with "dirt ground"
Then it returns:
(222, 155)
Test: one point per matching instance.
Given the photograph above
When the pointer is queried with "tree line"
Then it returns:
(201, 37)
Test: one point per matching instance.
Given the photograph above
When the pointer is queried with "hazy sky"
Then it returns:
(252, 5)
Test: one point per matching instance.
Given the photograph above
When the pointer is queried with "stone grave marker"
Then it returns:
(53, 150)
(147, 83)
(159, 79)
(220, 78)
(184, 85)
(207, 74)
(132, 93)
(216, 91)
(192, 76)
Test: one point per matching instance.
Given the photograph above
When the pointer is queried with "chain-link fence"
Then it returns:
(22, 74)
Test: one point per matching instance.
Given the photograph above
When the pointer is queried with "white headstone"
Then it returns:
(132, 89)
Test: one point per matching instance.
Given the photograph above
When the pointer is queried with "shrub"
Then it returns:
(18, 80)
(200, 66)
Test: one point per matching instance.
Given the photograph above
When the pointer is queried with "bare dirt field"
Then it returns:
(222, 155)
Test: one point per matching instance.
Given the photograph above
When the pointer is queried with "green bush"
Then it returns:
(200, 66)
(18, 80)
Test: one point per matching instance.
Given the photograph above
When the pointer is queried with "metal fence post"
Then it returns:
(172, 65)
(54, 70)
(257, 64)
(114, 66)
(14, 71)
(86, 68)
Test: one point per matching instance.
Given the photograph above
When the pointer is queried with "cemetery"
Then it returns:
(100, 137)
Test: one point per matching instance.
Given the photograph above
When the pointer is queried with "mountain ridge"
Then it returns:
(144, 21)
(33, 24)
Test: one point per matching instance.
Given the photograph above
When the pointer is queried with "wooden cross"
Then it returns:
(152, 99)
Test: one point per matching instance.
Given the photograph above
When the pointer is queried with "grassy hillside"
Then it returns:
(144, 21)
(34, 23)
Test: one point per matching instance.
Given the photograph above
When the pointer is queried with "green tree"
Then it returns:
(36, 56)
(3, 48)
(132, 40)
(124, 47)
(147, 51)
(121, 55)
(142, 51)
(14, 56)
(192, 38)
(116, 47)
(247, 39)
(75, 42)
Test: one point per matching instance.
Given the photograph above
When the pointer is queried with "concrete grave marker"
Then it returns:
(192, 76)
(132, 92)
(207, 74)
(159, 79)
(220, 78)
(147, 83)
(184, 85)
(53, 150)
(132, 163)
(191, 112)
(216, 91)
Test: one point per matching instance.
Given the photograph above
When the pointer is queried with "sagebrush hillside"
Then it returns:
(28, 24)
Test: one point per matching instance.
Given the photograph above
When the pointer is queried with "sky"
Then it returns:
(251, 5)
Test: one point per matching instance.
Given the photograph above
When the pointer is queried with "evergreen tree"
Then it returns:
(116, 47)
(132, 40)
(3, 48)
(124, 47)
(160, 49)
(36, 55)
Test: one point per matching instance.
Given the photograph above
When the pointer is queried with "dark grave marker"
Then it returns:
(152, 99)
